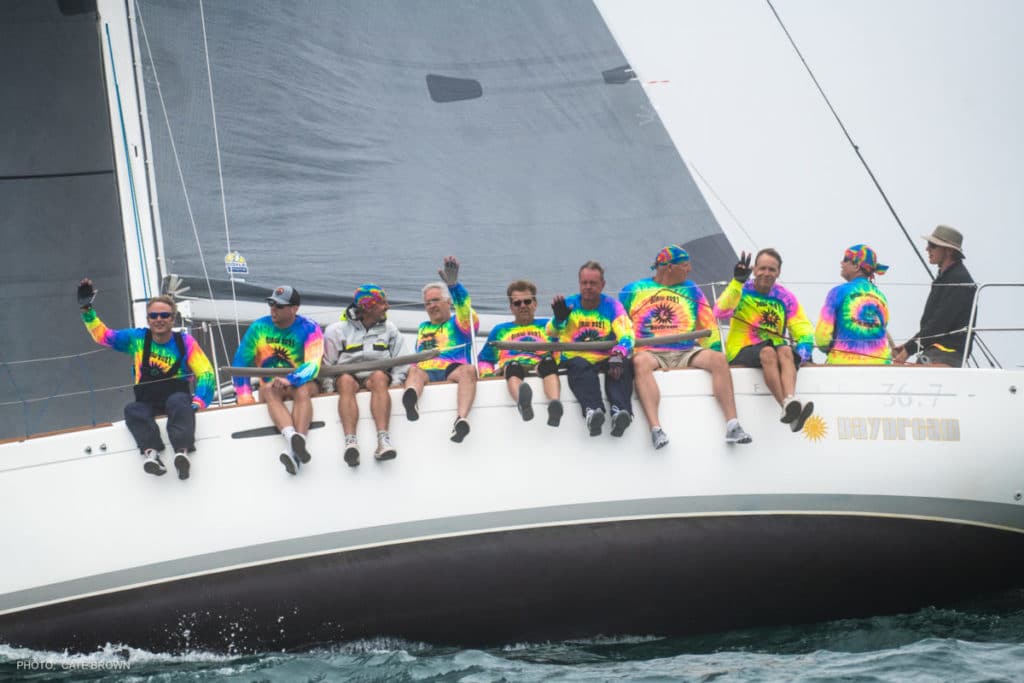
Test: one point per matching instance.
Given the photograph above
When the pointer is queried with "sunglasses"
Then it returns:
(160, 315)
(521, 302)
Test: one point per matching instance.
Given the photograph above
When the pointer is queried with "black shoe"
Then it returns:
(183, 464)
(595, 419)
(289, 464)
(299, 448)
(798, 424)
(460, 429)
(791, 412)
(555, 413)
(352, 456)
(523, 404)
(409, 400)
(620, 421)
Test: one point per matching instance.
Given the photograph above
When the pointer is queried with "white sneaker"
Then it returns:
(659, 438)
(153, 464)
(385, 451)
(351, 450)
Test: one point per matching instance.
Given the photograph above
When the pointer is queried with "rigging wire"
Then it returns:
(181, 174)
(220, 171)
(856, 149)
(718, 198)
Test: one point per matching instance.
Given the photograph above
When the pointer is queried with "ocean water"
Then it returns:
(979, 640)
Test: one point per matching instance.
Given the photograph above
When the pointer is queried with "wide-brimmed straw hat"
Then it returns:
(945, 236)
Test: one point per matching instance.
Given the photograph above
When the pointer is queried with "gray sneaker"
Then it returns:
(737, 435)
(595, 420)
(291, 465)
(659, 438)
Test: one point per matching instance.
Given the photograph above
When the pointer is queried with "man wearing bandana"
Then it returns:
(364, 333)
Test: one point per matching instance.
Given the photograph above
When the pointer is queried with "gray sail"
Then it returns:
(60, 221)
(365, 141)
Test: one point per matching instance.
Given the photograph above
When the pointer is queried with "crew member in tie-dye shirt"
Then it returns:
(587, 317)
(760, 313)
(853, 322)
(165, 361)
(284, 339)
(514, 365)
(453, 334)
(670, 304)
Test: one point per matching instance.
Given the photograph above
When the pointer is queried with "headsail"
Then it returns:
(365, 142)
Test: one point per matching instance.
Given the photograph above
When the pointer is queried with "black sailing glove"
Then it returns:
(450, 272)
(86, 293)
(560, 309)
(741, 272)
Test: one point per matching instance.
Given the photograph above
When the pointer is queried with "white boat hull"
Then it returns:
(904, 490)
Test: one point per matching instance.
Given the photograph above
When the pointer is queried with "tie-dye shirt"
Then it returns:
(491, 361)
(607, 322)
(454, 335)
(852, 325)
(658, 310)
(299, 346)
(756, 318)
(163, 356)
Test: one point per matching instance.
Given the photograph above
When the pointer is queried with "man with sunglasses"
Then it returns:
(284, 339)
(515, 365)
(165, 361)
(667, 304)
(454, 335)
(948, 307)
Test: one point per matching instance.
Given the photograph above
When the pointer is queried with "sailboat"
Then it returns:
(901, 490)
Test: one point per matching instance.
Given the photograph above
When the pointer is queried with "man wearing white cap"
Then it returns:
(948, 307)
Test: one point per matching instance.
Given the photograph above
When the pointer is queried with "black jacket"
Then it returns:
(947, 308)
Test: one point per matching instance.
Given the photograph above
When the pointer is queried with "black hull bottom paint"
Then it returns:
(671, 576)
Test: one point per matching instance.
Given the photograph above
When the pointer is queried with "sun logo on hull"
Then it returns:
(815, 429)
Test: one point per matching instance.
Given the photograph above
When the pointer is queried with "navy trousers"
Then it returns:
(181, 423)
(586, 385)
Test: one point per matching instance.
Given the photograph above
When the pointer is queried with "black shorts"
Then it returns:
(750, 356)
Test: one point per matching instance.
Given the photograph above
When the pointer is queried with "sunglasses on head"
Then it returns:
(160, 315)
(521, 302)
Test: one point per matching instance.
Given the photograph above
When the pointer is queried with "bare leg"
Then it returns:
(380, 399)
(416, 379)
(302, 411)
(552, 386)
(721, 379)
(273, 395)
(770, 366)
(647, 391)
(787, 370)
(513, 387)
(348, 409)
(465, 377)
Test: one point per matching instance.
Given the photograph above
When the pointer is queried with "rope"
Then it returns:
(181, 179)
(220, 171)
(856, 149)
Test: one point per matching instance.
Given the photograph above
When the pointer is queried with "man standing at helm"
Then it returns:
(948, 307)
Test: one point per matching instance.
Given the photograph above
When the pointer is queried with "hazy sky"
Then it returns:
(930, 90)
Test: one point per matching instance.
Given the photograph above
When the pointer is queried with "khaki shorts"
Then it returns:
(668, 360)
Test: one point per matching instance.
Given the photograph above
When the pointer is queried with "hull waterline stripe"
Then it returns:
(494, 530)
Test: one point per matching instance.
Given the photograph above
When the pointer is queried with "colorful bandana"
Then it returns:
(863, 256)
(369, 294)
(673, 253)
